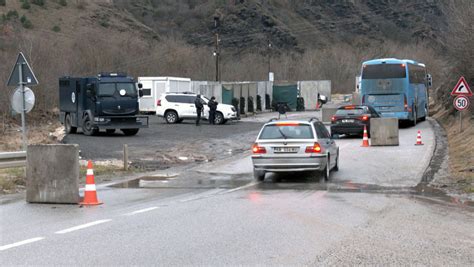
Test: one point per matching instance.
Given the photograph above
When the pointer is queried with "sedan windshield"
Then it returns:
(296, 131)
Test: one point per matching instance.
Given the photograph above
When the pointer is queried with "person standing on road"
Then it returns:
(212, 104)
(282, 108)
(199, 108)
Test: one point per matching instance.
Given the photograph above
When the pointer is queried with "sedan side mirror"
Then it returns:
(140, 86)
(140, 93)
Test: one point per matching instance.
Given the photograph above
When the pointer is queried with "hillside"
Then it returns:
(309, 40)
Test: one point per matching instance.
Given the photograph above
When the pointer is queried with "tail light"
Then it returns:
(316, 148)
(333, 118)
(256, 149)
(365, 118)
(405, 102)
(158, 102)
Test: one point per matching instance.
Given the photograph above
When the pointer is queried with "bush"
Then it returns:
(300, 104)
(104, 23)
(12, 14)
(63, 2)
(242, 105)
(26, 5)
(250, 104)
(259, 103)
(38, 2)
(267, 101)
(56, 28)
(26, 22)
(3, 3)
(235, 103)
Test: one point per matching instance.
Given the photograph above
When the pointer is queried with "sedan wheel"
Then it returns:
(259, 175)
(325, 173)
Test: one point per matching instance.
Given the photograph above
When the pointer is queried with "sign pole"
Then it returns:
(22, 87)
(460, 121)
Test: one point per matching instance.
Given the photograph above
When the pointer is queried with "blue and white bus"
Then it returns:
(396, 88)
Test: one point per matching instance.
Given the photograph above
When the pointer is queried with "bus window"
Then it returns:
(384, 71)
(416, 74)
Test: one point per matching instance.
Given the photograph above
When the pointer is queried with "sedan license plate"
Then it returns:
(286, 149)
(348, 121)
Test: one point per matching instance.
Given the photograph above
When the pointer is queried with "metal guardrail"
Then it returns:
(12, 159)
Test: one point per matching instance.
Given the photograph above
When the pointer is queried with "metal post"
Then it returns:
(23, 110)
(217, 57)
(125, 157)
(460, 121)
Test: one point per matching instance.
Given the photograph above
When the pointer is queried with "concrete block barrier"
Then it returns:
(384, 132)
(327, 113)
(52, 174)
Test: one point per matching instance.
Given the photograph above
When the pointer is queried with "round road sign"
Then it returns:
(17, 100)
(461, 102)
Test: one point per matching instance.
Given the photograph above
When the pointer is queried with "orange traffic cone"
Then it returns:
(365, 139)
(418, 139)
(90, 194)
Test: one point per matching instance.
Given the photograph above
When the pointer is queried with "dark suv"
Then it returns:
(351, 119)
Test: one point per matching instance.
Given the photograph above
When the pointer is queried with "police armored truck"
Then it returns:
(106, 102)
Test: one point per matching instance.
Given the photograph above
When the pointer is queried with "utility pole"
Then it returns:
(269, 55)
(216, 46)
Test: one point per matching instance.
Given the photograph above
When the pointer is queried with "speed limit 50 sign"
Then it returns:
(461, 102)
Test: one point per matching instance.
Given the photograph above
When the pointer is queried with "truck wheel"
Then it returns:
(171, 117)
(68, 125)
(110, 131)
(88, 127)
(129, 132)
(219, 119)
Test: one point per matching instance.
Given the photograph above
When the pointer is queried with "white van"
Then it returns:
(154, 87)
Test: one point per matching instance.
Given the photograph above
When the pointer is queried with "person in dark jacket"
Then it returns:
(212, 104)
(199, 108)
(282, 108)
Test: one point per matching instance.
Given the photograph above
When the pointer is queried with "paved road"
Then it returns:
(214, 214)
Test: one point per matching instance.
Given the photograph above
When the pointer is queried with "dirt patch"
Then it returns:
(47, 132)
(458, 172)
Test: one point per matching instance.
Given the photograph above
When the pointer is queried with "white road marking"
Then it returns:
(24, 242)
(240, 187)
(140, 211)
(82, 226)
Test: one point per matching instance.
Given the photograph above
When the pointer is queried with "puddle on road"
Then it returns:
(196, 181)
(171, 182)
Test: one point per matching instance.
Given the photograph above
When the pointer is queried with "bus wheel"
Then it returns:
(426, 115)
(414, 117)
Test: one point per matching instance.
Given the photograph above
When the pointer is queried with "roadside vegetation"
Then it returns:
(86, 37)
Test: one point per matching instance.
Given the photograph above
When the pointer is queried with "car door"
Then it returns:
(188, 106)
(324, 139)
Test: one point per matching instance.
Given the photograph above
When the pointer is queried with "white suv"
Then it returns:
(175, 107)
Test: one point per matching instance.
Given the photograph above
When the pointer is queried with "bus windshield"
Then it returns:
(384, 71)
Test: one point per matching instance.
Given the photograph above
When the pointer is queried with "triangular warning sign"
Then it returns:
(28, 77)
(462, 88)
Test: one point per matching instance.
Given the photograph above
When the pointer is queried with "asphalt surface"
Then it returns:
(161, 145)
(372, 212)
